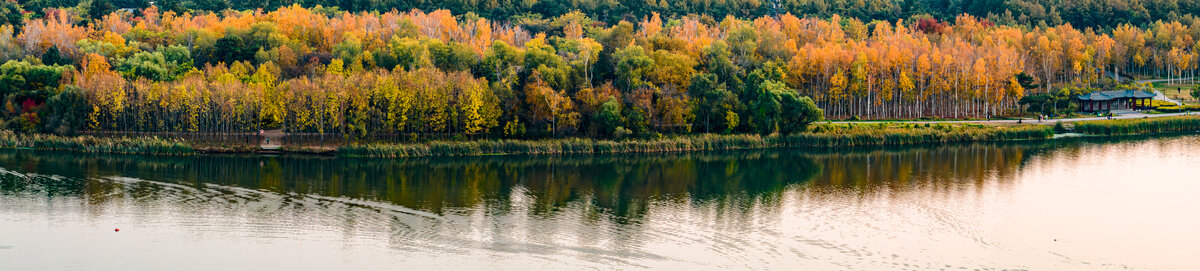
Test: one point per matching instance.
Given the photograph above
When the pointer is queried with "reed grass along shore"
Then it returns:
(819, 135)
(823, 135)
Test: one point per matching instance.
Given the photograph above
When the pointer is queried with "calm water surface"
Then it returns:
(1064, 205)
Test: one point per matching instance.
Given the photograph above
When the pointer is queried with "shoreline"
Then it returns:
(822, 135)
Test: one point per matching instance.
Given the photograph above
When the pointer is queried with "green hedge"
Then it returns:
(1161, 103)
(1177, 108)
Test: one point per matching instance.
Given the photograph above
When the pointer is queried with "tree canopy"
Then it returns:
(454, 73)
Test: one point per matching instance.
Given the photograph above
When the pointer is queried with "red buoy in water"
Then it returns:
(117, 230)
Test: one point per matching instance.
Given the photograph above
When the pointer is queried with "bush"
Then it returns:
(1159, 103)
(621, 132)
(1178, 108)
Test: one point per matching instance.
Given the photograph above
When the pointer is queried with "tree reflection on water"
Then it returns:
(620, 185)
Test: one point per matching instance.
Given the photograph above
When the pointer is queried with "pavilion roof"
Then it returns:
(1116, 94)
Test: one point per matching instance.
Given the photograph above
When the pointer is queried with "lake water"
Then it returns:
(1085, 204)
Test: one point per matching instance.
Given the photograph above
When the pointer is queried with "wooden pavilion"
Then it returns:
(1099, 101)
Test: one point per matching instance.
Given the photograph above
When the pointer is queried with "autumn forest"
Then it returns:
(439, 74)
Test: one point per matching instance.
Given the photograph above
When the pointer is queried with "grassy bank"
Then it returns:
(1138, 126)
(822, 135)
(91, 144)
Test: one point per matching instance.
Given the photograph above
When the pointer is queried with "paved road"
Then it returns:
(1134, 115)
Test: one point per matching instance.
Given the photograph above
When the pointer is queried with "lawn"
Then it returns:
(1180, 92)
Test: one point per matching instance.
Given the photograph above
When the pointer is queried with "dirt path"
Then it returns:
(272, 139)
